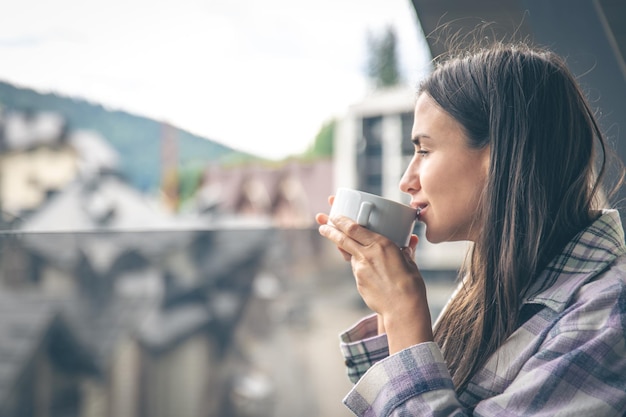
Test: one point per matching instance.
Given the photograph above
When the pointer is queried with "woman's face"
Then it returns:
(445, 177)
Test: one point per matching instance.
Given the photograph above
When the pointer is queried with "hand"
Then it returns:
(387, 278)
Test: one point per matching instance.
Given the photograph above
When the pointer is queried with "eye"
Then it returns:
(421, 151)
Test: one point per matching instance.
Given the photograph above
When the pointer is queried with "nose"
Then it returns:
(410, 181)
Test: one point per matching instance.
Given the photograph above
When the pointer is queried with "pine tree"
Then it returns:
(383, 69)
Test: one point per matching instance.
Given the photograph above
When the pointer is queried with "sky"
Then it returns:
(259, 76)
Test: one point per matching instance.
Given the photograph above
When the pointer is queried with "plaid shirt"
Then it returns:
(567, 359)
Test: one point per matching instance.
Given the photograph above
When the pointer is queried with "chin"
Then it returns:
(432, 237)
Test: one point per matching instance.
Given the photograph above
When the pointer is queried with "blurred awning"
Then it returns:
(446, 17)
(562, 24)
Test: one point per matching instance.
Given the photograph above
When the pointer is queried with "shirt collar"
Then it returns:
(585, 256)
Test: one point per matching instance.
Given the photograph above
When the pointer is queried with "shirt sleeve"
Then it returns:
(362, 346)
(578, 370)
(414, 381)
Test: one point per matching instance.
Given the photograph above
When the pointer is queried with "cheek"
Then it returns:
(469, 191)
(435, 179)
(452, 187)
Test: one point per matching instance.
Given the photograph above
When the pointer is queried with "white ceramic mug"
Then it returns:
(386, 217)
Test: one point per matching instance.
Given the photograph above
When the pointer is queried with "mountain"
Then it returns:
(136, 138)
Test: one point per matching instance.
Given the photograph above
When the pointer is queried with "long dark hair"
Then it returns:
(548, 156)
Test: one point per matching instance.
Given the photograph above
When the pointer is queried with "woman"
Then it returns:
(505, 157)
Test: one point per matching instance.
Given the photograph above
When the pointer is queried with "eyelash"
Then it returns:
(421, 152)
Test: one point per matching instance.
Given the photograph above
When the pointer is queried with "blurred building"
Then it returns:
(288, 195)
(373, 143)
(40, 156)
(36, 159)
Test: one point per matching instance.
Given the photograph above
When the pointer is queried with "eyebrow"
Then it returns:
(416, 139)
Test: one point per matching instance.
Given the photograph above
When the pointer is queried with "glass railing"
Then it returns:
(213, 322)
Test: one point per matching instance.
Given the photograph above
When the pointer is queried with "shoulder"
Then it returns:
(593, 262)
(601, 302)
(608, 284)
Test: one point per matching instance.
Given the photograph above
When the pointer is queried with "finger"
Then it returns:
(339, 238)
(409, 250)
(413, 242)
(355, 231)
(321, 218)
(346, 256)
